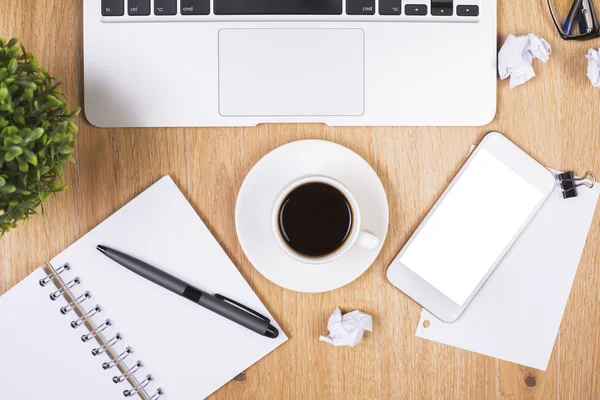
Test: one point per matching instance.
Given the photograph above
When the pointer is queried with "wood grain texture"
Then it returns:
(555, 118)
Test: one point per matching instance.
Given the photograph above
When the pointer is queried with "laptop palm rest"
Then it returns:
(291, 72)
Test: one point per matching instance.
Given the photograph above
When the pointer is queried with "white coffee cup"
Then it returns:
(357, 236)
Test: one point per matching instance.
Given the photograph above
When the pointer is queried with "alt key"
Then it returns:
(165, 7)
(390, 7)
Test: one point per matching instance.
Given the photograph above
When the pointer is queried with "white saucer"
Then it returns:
(263, 184)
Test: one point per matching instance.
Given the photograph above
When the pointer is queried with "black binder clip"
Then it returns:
(569, 183)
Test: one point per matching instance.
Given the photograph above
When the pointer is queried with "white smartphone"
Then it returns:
(471, 227)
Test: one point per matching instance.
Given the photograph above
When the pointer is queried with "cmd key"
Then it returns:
(113, 8)
(360, 7)
(195, 7)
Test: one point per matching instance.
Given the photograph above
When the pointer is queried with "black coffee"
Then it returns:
(315, 219)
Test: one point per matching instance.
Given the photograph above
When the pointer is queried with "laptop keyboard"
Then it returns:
(206, 10)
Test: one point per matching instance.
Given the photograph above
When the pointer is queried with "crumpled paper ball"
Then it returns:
(516, 55)
(347, 329)
(593, 70)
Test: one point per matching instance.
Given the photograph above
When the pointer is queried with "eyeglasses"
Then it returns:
(575, 19)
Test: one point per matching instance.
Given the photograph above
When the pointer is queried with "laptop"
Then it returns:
(169, 63)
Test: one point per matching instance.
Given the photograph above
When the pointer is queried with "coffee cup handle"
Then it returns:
(367, 240)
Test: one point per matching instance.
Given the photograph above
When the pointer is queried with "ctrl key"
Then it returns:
(195, 7)
(113, 8)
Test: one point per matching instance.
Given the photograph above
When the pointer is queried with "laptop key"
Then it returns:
(390, 7)
(360, 7)
(467, 11)
(165, 7)
(195, 7)
(138, 7)
(415, 9)
(112, 8)
(442, 7)
(278, 7)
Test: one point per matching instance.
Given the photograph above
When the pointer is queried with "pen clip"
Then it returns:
(243, 307)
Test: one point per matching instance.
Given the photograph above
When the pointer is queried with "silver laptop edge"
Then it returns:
(242, 70)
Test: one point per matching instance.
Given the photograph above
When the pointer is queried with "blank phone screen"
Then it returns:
(471, 227)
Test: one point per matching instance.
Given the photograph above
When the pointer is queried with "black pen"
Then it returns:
(218, 304)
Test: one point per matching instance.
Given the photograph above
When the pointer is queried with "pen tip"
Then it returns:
(101, 249)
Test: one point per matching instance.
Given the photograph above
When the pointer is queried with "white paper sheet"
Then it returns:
(190, 351)
(41, 356)
(516, 314)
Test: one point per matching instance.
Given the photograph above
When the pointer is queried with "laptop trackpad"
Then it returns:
(291, 72)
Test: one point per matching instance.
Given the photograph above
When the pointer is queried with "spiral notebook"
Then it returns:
(83, 327)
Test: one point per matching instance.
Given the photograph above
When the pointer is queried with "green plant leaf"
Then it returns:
(12, 152)
(35, 134)
(23, 166)
(7, 189)
(26, 84)
(10, 130)
(28, 95)
(52, 102)
(11, 140)
(66, 149)
(37, 139)
(12, 65)
(24, 192)
(72, 127)
(30, 157)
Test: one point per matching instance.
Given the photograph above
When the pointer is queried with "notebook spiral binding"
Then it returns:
(95, 332)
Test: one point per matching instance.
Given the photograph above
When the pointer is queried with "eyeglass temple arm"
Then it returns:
(573, 16)
(586, 23)
(556, 23)
(566, 36)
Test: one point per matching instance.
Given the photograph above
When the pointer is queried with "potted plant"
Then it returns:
(36, 135)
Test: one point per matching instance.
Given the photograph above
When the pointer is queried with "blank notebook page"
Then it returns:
(41, 356)
(190, 351)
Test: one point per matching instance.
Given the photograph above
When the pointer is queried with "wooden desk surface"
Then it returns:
(555, 117)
